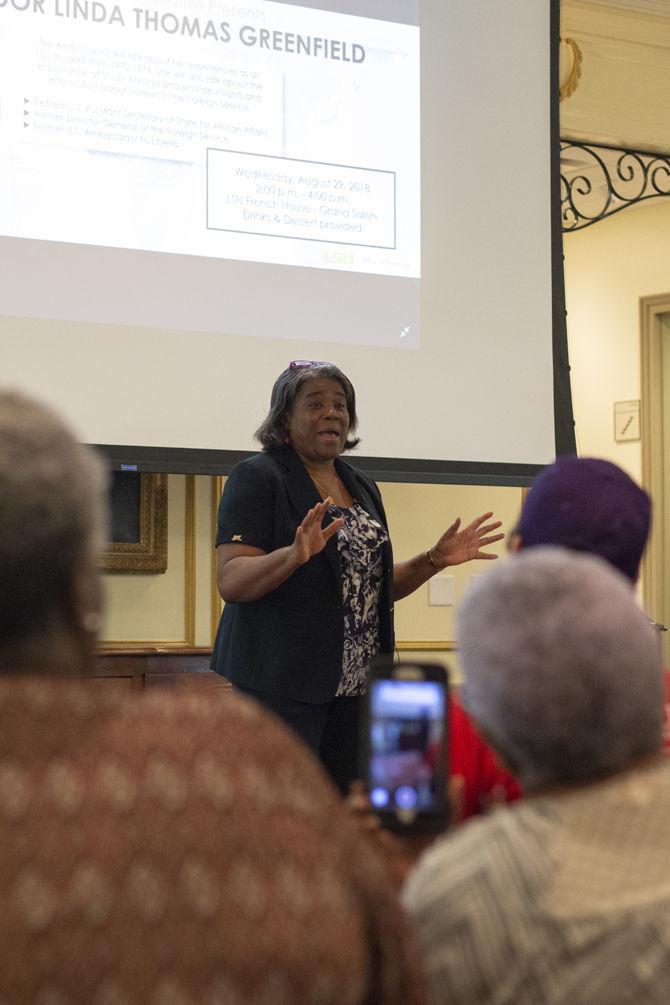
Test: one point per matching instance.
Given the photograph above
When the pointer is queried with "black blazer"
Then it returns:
(290, 642)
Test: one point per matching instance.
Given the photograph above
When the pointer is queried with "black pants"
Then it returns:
(331, 730)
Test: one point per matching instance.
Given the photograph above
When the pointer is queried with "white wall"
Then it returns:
(608, 267)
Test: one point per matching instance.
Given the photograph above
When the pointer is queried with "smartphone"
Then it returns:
(405, 745)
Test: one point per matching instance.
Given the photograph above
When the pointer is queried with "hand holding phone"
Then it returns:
(405, 745)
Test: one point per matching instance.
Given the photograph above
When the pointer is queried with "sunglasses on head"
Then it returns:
(296, 363)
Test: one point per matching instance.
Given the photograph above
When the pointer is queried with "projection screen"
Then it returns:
(195, 192)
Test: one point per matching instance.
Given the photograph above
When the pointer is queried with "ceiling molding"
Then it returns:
(657, 8)
(606, 23)
(591, 137)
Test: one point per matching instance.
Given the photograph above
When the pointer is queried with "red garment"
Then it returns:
(485, 781)
(666, 712)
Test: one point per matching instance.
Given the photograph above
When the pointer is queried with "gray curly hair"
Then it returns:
(52, 512)
(562, 670)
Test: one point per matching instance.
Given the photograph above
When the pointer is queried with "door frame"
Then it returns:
(654, 455)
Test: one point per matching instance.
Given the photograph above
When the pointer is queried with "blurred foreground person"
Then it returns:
(564, 896)
(164, 850)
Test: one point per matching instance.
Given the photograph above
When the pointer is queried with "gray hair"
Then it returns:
(562, 670)
(272, 431)
(52, 513)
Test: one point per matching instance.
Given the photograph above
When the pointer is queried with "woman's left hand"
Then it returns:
(457, 546)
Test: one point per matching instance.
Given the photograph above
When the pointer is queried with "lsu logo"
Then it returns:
(338, 257)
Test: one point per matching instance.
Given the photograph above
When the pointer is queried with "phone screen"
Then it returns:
(407, 737)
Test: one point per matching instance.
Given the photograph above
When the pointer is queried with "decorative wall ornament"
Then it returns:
(570, 67)
(598, 181)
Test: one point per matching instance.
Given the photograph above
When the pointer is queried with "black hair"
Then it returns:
(272, 432)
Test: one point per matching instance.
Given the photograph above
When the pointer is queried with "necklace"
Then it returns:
(325, 493)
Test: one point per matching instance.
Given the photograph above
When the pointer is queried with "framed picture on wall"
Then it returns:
(138, 524)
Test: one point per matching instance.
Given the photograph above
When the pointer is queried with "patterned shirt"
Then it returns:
(360, 547)
(181, 849)
(562, 899)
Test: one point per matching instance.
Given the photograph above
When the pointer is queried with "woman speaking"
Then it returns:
(306, 569)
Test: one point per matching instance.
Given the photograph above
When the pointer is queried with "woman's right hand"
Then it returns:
(311, 537)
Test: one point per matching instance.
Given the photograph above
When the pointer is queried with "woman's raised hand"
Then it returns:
(457, 546)
(311, 537)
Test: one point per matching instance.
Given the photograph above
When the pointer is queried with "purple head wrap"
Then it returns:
(588, 505)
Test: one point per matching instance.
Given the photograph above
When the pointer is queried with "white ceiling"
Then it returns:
(622, 97)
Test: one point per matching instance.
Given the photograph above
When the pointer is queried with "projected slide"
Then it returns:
(267, 133)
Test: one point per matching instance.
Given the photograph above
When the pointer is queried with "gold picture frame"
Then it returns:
(139, 524)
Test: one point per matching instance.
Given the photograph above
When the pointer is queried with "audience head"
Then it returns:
(561, 668)
(588, 505)
(51, 518)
